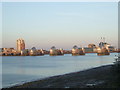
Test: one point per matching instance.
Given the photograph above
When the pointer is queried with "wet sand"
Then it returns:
(99, 77)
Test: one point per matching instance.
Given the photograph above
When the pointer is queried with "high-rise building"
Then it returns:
(20, 45)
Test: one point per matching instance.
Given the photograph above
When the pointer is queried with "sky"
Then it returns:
(0, 24)
(60, 24)
(60, 0)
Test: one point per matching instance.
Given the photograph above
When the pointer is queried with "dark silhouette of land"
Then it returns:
(99, 77)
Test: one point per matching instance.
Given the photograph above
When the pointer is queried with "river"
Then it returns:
(21, 69)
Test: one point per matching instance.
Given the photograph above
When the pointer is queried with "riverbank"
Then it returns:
(51, 55)
(99, 77)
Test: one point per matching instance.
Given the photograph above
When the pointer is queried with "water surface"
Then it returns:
(20, 69)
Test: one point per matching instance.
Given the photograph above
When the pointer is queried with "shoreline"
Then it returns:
(98, 77)
(53, 55)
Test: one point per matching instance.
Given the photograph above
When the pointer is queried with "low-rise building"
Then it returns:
(7, 49)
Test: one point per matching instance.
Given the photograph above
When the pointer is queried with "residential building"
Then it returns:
(20, 45)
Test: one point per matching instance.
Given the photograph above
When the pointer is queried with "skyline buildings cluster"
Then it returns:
(53, 51)
(20, 44)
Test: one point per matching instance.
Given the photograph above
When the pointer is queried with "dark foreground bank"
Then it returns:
(100, 77)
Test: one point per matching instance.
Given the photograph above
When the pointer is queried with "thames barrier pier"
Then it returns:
(77, 51)
(102, 49)
(55, 52)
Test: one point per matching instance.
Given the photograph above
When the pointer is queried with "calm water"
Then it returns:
(20, 69)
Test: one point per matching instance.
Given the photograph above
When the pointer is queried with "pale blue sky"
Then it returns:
(60, 24)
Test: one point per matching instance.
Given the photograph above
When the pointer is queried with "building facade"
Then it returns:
(20, 45)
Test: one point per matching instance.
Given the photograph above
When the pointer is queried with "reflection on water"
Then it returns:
(19, 69)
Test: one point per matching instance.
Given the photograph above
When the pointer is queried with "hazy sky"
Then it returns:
(60, 24)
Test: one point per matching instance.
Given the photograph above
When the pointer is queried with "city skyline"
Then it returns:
(20, 45)
(63, 25)
(102, 49)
